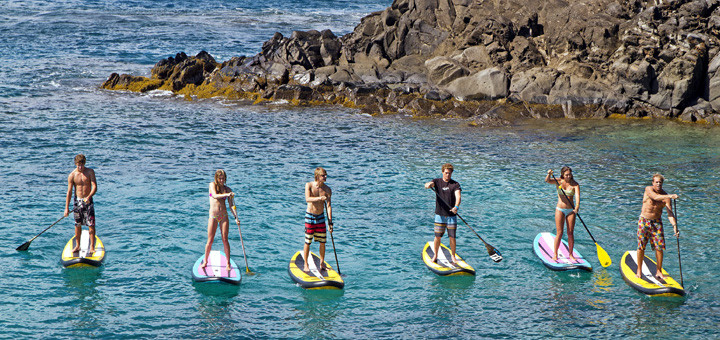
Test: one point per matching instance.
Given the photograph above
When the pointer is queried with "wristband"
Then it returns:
(456, 207)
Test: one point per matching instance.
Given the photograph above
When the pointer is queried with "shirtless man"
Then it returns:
(83, 180)
(650, 225)
(317, 194)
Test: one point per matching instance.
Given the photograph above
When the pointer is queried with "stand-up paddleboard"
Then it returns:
(317, 278)
(444, 266)
(648, 283)
(216, 269)
(543, 246)
(83, 258)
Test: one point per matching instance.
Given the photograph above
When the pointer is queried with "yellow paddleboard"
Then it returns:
(316, 278)
(83, 258)
(444, 266)
(648, 283)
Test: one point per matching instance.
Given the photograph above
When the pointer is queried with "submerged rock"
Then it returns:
(583, 59)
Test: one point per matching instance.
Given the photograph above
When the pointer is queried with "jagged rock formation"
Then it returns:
(552, 58)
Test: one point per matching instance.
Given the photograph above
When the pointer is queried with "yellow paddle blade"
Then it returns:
(603, 256)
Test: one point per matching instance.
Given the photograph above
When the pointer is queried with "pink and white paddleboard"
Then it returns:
(216, 269)
(543, 246)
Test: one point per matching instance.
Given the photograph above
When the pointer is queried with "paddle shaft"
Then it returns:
(490, 249)
(677, 237)
(25, 245)
(332, 239)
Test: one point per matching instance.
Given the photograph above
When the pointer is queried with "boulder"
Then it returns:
(714, 83)
(490, 83)
(443, 70)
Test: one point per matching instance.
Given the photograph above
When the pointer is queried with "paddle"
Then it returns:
(247, 269)
(678, 242)
(602, 255)
(332, 239)
(492, 251)
(26, 245)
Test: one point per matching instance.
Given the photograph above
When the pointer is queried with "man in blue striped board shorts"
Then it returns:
(317, 196)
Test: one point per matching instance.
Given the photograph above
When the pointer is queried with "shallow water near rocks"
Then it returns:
(155, 155)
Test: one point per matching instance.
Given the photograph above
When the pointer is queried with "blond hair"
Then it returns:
(218, 173)
(319, 171)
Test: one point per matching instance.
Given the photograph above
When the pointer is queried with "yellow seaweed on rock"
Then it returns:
(145, 85)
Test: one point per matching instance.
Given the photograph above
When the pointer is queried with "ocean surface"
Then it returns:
(154, 155)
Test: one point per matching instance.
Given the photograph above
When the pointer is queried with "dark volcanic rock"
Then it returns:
(591, 58)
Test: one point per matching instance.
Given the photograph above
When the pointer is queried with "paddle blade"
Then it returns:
(24, 246)
(603, 256)
(494, 253)
(248, 272)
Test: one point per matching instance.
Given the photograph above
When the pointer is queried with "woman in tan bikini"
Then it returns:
(219, 193)
(567, 190)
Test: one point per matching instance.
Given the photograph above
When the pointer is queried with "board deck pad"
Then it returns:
(216, 269)
(316, 278)
(648, 283)
(543, 247)
(444, 265)
(83, 257)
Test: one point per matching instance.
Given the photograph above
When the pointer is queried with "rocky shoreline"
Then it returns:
(489, 61)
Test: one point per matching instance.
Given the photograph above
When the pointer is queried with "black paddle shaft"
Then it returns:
(26, 245)
(332, 239)
(573, 206)
(677, 237)
(492, 251)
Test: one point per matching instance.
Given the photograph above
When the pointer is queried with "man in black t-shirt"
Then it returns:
(448, 191)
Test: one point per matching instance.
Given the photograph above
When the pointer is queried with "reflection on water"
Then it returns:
(566, 301)
(648, 320)
(81, 283)
(214, 307)
(449, 297)
(602, 283)
(318, 312)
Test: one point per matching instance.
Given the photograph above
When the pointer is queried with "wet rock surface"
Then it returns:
(490, 61)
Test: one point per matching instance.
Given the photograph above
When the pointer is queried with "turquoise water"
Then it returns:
(154, 155)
